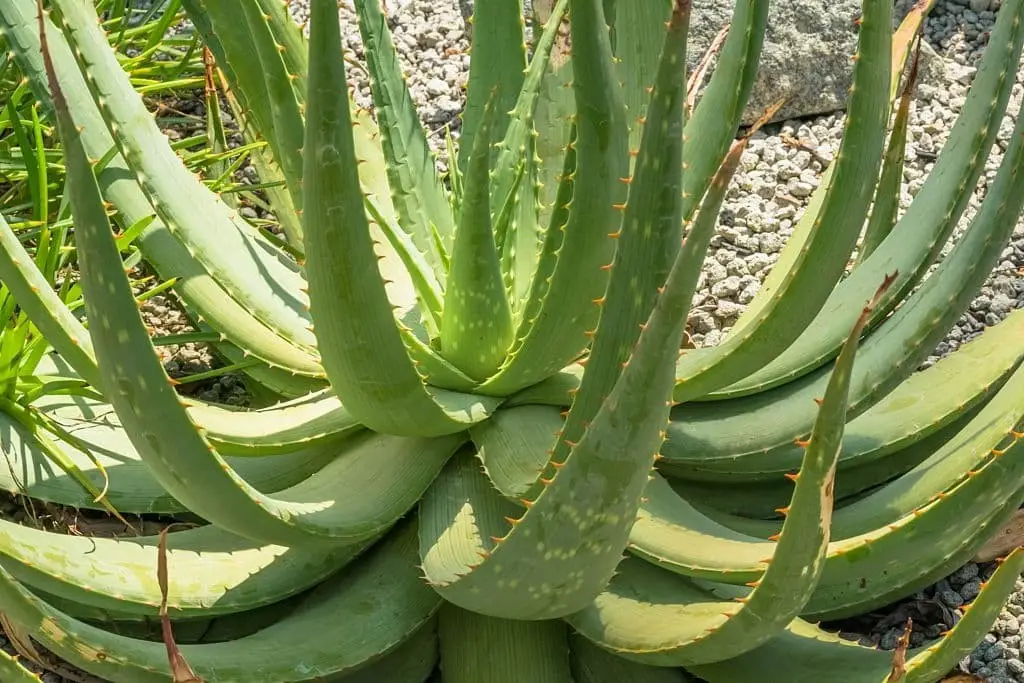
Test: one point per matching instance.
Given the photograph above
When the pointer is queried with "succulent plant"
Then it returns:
(492, 461)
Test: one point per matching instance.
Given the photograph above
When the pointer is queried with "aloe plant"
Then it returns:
(491, 460)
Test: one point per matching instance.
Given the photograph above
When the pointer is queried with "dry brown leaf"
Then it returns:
(899, 655)
(181, 672)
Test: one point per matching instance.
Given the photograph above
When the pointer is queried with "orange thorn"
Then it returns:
(792, 477)
(774, 537)
(783, 511)
(497, 539)
(527, 503)
(558, 465)
(801, 443)
(511, 520)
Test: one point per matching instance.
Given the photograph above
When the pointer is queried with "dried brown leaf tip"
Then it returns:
(181, 672)
(899, 655)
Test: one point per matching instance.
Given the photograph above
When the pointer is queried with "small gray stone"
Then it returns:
(951, 598)
(728, 287)
(995, 651)
(998, 668)
(970, 590)
(436, 87)
(890, 638)
(964, 574)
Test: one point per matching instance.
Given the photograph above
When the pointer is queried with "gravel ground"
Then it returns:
(768, 197)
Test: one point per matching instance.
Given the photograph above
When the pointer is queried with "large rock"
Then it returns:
(807, 55)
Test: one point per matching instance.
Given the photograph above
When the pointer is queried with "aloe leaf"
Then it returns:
(692, 252)
(926, 401)
(411, 662)
(751, 507)
(638, 58)
(317, 642)
(292, 43)
(132, 487)
(567, 306)
(476, 330)
(496, 73)
(361, 342)
(478, 648)
(529, 307)
(592, 664)
(513, 447)
(863, 571)
(12, 670)
(416, 189)
(287, 124)
(211, 571)
(885, 209)
(806, 654)
(235, 48)
(555, 108)
(649, 238)
(428, 289)
(790, 297)
(516, 183)
(258, 279)
(630, 617)
(302, 422)
(869, 570)
(920, 234)
(716, 118)
(888, 356)
(965, 452)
